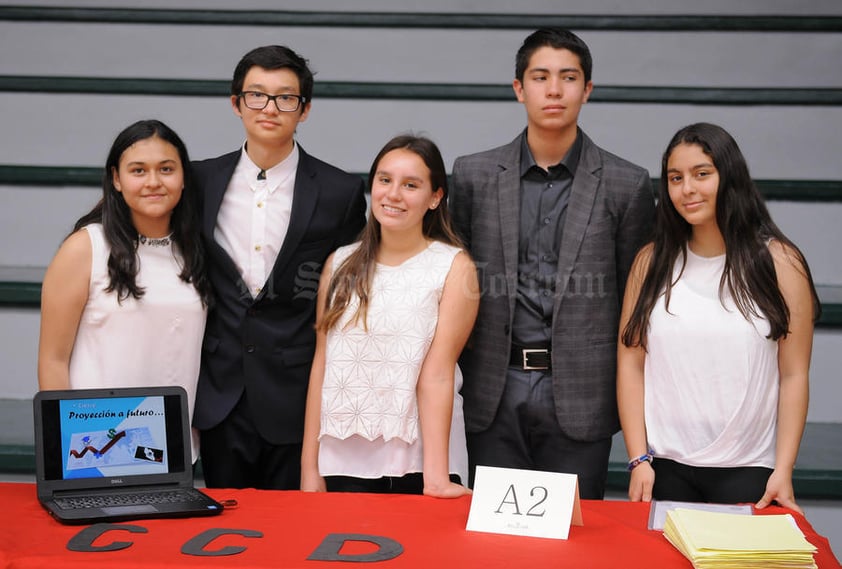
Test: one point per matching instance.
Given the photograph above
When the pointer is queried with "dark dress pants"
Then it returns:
(525, 434)
(682, 483)
(235, 455)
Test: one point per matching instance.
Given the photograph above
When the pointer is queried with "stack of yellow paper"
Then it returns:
(714, 540)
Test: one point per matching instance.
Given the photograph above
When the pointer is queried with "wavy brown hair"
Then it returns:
(355, 274)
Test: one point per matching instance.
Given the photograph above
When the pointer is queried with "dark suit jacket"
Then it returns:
(264, 345)
(609, 217)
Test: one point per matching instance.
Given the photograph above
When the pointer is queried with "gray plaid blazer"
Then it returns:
(609, 217)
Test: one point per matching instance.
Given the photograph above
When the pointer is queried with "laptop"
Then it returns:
(105, 455)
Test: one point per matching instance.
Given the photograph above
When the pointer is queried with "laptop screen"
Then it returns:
(88, 436)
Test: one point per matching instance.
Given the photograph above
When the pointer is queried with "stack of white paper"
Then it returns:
(719, 540)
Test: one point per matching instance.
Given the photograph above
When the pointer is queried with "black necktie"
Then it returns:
(261, 175)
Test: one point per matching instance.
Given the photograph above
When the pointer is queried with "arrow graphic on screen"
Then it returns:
(104, 449)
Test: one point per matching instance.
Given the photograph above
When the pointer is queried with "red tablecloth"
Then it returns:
(293, 525)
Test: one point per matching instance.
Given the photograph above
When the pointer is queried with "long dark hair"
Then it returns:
(746, 226)
(355, 274)
(120, 233)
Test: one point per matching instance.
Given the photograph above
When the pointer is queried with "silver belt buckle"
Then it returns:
(526, 352)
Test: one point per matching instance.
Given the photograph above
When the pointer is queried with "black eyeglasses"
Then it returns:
(285, 102)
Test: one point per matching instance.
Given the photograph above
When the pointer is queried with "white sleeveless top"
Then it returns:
(711, 376)
(369, 418)
(156, 340)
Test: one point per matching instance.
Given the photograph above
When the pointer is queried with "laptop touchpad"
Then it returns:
(123, 510)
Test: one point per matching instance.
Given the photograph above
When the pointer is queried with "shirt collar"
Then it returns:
(570, 160)
(274, 175)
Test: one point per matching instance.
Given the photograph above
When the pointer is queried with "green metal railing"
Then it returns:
(707, 23)
(725, 96)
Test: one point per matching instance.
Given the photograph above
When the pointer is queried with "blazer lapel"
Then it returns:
(508, 200)
(214, 191)
(579, 208)
(304, 198)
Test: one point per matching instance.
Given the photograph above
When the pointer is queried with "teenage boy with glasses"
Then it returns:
(271, 215)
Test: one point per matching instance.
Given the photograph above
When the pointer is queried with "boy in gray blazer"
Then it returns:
(553, 223)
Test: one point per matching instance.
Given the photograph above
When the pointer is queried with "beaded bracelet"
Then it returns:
(642, 458)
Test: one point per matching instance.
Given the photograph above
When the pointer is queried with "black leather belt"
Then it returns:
(529, 359)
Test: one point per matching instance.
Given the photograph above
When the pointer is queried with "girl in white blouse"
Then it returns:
(716, 334)
(124, 300)
(394, 311)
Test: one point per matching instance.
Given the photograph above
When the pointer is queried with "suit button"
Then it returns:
(250, 349)
(253, 312)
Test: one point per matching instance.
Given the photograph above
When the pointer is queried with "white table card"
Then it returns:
(524, 502)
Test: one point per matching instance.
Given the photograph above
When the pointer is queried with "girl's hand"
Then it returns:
(641, 482)
(312, 482)
(779, 489)
(448, 490)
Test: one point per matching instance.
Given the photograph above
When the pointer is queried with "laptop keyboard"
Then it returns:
(129, 499)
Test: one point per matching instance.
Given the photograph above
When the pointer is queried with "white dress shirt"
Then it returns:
(254, 216)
